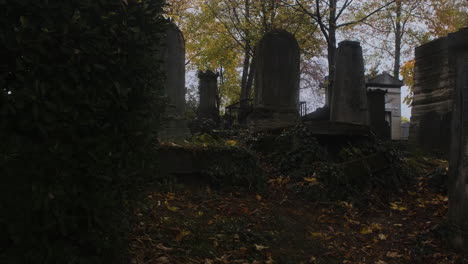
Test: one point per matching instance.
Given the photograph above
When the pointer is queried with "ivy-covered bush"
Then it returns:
(340, 169)
(80, 100)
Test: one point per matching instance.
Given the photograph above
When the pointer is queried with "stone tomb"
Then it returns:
(349, 100)
(458, 183)
(174, 125)
(208, 91)
(392, 86)
(277, 75)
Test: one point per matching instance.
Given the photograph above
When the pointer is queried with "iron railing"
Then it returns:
(236, 113)
(303, 108)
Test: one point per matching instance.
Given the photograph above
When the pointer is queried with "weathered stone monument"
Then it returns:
(376, 107)
(349, 100)
(208, 91)
(458, 182)
(392, 86)
(431, 111)
(174, 125)
(277, 75)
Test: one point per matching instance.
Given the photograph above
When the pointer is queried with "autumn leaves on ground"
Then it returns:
(186, 224)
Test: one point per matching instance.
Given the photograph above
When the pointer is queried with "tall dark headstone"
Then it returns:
(349, 100)
(277, 75)
(458, 181)
(431, 108)
(174, 125)
(376, 108)
(208, 91)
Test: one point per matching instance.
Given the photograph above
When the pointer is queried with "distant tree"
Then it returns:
(221, 36)
(329, 16)
(407, 71)
(444, 16)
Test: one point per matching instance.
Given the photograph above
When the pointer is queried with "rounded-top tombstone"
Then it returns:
(277, 75)
(174, 126)
(174, 63)
(349, 99)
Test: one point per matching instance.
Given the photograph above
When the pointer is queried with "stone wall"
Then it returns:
(432, 104)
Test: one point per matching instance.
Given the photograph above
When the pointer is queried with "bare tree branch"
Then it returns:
(367, 16)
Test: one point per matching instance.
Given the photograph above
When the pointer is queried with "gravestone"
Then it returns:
(174, 125)
(208, 91)
(458, 182)
(349, 100)
(376, 107)
(277, 76)
(431, 110)
(405, 128)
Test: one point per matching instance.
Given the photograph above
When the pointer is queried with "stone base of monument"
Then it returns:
(335, 128)
(267, 119)
(174, 129)
(217, 166)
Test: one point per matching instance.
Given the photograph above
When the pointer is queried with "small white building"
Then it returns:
(392, 85)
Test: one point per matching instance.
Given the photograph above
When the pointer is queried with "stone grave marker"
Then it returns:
(277, 75)
(349, 100)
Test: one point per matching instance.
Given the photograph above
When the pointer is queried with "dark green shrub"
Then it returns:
(80, 99)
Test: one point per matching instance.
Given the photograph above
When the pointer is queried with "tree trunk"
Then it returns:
(398, 36)
(247, 51)
(245, 74)
(250, 78)
(218, 92)
(331, 49)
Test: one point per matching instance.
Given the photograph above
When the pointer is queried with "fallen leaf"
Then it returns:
(242, 250)
(258, 197)
(380, 262)
(162, 260)
(181, 235)
(170, 208)
(396, 206)
(382, 236)
(366, 230)
(162, 247)
(317, 234)
(312, 180)
(231, 143)
(270, 260)
(393, 255)
(260, 247)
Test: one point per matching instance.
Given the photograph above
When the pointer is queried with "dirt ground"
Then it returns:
(186, 224)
